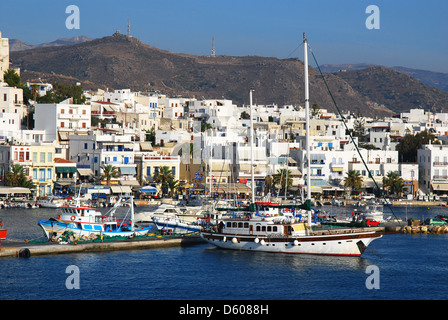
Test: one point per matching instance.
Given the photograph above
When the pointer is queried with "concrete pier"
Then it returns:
(23, 249)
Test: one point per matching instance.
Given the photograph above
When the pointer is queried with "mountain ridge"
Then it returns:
(119, 61)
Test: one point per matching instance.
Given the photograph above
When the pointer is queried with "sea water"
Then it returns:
(406, 267)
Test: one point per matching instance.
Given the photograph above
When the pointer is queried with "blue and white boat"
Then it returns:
(176, 225)
(86, 221)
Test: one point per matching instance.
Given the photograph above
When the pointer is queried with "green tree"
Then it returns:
(408, 146)
(283, 179)
(245, 115)
(16, 178)
(109, 172)
(393, 182)
(163, 176)
(268, 181)
(353, 180)
(173, 184)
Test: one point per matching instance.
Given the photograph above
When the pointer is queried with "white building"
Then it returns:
(61, 119)
(218, 113)
(433, 168)
(4, 56)
(92, 151)
(11, 100)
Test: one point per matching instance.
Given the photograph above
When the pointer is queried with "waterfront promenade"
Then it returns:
(27, 249)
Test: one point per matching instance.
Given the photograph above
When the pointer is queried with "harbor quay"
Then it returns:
(29, 249)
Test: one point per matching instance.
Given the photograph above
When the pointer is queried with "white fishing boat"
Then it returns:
(372, 212)
(85, 221)
(176, 225)
(163, 210)
(262, 234)
(51, 202)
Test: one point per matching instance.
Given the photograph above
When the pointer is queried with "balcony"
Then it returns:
(440, 163)
(440, 178)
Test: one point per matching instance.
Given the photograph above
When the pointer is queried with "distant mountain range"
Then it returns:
(118, 61)
(435, 79)
(17, 45)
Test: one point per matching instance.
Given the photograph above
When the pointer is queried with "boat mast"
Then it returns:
(252, 181)
(307, 127)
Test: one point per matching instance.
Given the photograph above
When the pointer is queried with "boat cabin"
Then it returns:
(262, 227)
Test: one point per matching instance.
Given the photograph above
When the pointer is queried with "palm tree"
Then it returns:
(16, 177)
(163, 176)
(173, 184)
(393, 182)
(109, 172)
(282, 178)
(267, 184)
(353, 180)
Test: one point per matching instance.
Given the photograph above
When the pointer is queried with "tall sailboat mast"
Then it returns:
(307, 126)
(252, 181)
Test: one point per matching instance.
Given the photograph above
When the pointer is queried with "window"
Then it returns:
(49, 156)
(49, 174)
(173, 170)
(85, 146)
(34, 156)
(41, 174)
(148, 171)
(34, 174)
(42, 157)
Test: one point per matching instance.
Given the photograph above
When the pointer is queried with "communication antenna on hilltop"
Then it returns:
(129, 28)
(213, 47)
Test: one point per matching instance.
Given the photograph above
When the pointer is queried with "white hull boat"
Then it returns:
(176, 225)
(262, 235)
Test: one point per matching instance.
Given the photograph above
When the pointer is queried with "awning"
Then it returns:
(439, 186)
(149, 190)
(66, 169)
(13, 190)
(127, 170)
(85, 172)
(145, 146)
(120, 189)
(129, 183)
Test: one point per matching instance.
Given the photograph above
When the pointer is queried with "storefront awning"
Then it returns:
(440, 186)
(66, 169)
(85, 172)
(120, 189)
(127, 170)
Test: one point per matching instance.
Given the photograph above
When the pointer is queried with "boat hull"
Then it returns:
(176, 226)
(342, 245)
(55, 228)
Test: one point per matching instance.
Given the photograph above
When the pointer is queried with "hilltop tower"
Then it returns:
(129, 28)
(213, 47)
(4, 56)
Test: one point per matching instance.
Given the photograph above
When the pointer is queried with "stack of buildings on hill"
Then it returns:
(205, 144)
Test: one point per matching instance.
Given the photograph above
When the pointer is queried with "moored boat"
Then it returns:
(85, 221)
(3, 231)
(287, 235)
(176, 225)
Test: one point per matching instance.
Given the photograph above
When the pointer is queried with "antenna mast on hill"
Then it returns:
(213, 47)
(129, 28)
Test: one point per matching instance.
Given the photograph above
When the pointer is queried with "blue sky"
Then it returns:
(412, 33)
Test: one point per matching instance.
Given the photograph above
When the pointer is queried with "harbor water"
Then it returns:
(405, 266)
